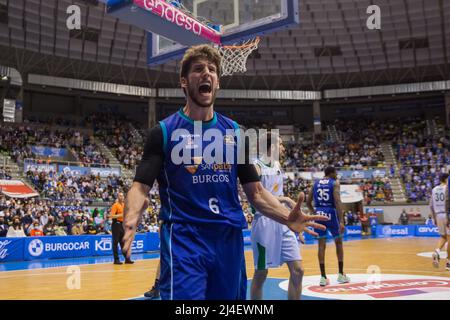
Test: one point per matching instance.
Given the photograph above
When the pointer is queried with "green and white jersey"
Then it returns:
(273, 243)
(271, 178)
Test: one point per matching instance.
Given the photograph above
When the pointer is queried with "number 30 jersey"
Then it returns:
(437, 201)
(323, 193)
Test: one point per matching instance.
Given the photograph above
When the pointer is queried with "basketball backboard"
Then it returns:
(172, 28)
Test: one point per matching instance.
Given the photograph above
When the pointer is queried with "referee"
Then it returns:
(117, 228)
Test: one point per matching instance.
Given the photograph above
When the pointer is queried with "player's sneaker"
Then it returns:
(436, 259)
(153, 293)
(343, 278)
(447, 266)
(324, 281)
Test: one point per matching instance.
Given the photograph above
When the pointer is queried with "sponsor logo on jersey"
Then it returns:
(229, 139)
(192, 169)
(210, 178)
(217, 167)
(190, 144)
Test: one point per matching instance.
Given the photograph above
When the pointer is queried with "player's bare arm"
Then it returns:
(338, 203)
(269, 206)
(433, 213)
(135, 204)
(287, 201)
(447, 203)
(309, 201)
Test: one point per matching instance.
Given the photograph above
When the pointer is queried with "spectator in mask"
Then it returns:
(50, 227)
(90, 228)
(36, 230)
(365, 223)
(69, 220)
(107, 226)
(27, 220)
(404, 219)
(429, 221)
(3, 227)
(16, 230)
(78, 226)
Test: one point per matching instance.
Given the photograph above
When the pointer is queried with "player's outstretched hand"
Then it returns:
(299, 221)
(130, 231)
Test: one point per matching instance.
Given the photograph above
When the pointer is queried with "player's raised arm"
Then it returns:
(269, 206)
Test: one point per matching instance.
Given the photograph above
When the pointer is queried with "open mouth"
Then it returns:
(205, 88)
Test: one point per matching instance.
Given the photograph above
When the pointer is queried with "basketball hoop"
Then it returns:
(234, 57)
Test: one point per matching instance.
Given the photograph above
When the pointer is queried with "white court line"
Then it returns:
(69, 265)
(82, 271)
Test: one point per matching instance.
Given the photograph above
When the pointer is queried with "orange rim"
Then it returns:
(250, 44)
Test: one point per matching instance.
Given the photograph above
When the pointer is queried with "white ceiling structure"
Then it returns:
(331, 49)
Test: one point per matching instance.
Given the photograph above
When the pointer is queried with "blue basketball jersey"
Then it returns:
(323, 193)
(198, 192)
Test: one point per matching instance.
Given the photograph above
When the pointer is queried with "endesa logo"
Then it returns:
(386, 287)
(172, 14)
(388, 231)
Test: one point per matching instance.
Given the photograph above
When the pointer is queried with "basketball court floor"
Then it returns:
(389, 268)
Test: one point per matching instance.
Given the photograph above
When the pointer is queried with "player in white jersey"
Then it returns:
(439, 204)
(273, 243)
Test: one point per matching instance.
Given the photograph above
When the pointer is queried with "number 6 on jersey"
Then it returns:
(213, 205)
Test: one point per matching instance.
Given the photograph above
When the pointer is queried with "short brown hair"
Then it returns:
(197, 52)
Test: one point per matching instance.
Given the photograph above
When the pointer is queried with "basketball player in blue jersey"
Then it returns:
(202, 252)
(327, 202)
(273, 243)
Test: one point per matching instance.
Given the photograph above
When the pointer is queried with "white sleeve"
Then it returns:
(10, 233)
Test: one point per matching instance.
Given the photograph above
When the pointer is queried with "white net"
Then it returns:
(234, 58)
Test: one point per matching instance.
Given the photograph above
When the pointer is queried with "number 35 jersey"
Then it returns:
(194, 190)
(323, 191)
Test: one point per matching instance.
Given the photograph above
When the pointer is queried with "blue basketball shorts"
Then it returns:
(202, 262)
(332, 224)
